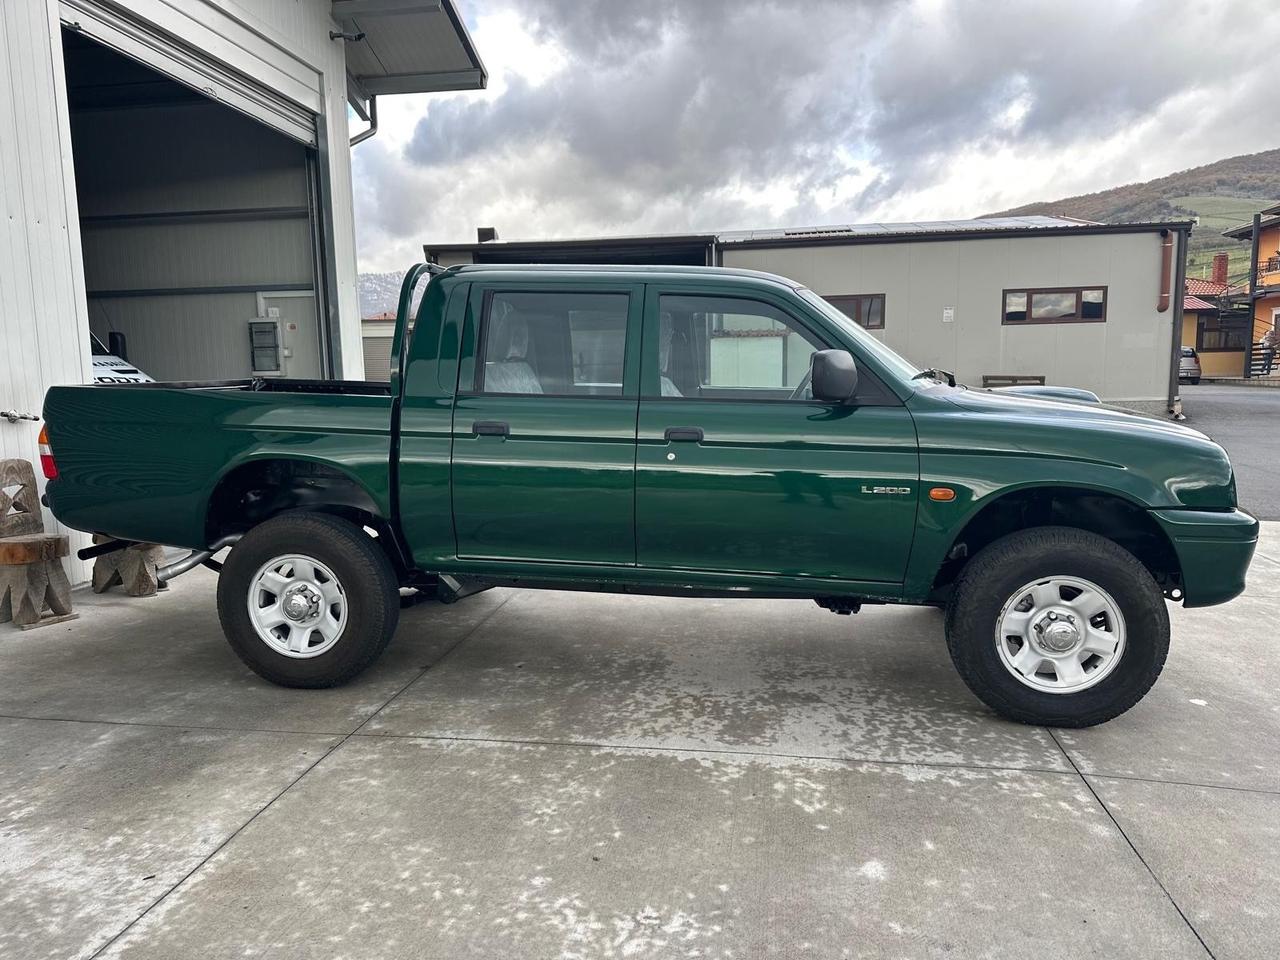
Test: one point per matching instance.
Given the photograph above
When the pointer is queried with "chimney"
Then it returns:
(489, 234)
(1219, 268)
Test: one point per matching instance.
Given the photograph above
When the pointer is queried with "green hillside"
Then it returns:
(1221, 195)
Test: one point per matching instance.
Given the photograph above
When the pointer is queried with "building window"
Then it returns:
(866, 309)
(1216, 332)
(1056, 305)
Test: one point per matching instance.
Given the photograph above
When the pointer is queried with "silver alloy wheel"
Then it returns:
(1060, 634)
(297, 606)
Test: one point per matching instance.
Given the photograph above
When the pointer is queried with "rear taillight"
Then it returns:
(46, 456)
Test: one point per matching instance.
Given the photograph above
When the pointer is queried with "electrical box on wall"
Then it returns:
(265, 355)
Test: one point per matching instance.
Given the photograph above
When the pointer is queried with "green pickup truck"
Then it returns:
(690, 432)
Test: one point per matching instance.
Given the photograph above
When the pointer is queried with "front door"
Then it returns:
(544, 424)
(738, 469)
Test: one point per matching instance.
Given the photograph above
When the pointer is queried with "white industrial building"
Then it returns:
(173, 170)
(1004, 300)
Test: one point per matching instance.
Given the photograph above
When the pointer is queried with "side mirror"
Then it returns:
(117, 346)
(834, 376)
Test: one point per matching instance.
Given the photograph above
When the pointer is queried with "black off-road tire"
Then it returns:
(990, 579)
(367, 579)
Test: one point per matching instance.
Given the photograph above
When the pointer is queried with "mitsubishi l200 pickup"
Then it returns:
(676, 431)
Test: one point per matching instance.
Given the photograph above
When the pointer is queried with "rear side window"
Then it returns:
(553, 343)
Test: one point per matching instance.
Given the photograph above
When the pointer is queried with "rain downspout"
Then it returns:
(1166, 265)
(1179, 288)
(1253, 295)
(365, 134)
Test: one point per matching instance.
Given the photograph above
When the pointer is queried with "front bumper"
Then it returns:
(1214, 549)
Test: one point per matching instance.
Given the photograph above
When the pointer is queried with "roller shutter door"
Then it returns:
(218, 57)
(377, 358)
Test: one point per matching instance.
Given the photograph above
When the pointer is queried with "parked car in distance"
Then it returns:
(1189, 366)
(675, 431)
(109, 368)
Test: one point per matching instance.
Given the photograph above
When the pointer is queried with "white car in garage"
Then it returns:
(110, 368)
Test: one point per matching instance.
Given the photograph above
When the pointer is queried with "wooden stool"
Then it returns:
(31, 578)
(133, 568)
(31, 574)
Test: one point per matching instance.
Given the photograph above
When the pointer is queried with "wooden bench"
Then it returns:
(34, 589)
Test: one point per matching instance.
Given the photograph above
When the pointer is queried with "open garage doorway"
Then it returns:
(199, 226)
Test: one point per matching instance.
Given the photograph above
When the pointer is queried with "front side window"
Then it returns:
(725, 348)
(553, 343)
(865, 309)
(1059, 305)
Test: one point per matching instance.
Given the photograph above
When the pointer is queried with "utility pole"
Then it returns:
(1253, 290)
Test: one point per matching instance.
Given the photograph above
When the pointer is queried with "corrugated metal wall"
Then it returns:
(184, 197)
(43, 322)
(377, 358)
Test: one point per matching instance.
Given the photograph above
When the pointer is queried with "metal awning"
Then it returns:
(409, 46)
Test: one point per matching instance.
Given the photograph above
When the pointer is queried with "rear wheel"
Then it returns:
(1195, 381)
(1058, 626)
(307, 600)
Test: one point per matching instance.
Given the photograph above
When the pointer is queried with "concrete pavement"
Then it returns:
(558, 775)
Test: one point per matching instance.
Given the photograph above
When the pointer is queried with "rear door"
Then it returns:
(544, 424)
(738, 469)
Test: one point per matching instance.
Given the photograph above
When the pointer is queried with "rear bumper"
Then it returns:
(1214, 549)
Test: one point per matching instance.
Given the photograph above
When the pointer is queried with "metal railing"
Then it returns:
(1262, 365)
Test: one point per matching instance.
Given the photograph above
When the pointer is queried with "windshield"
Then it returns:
(96, 346)
(865, 341)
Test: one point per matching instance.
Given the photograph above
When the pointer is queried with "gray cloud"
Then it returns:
(653, 100)
(675, 114)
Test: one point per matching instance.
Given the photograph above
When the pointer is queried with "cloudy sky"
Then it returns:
(655, 116)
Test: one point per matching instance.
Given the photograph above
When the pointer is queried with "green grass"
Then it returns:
(1217, 214)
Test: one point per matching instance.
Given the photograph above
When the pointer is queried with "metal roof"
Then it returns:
(800, 234)
(853, 233)
(409, 46)
(1245, 231)
(654, 238)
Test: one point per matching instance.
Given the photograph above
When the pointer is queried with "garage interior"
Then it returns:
(195, 220)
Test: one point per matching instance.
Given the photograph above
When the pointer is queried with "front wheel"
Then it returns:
(1058, 626)
(307, 600)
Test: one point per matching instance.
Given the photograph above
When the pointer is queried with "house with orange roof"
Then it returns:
(1214, 323)
(1263, 294)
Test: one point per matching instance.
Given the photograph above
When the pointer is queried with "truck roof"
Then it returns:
(639, 272)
